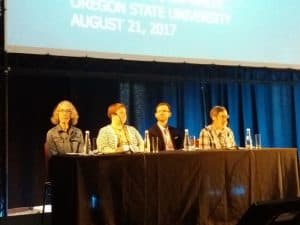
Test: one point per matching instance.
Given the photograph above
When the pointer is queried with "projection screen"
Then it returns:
(226, 32)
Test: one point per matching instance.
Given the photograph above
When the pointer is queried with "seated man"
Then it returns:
(169, 138)
(217, 135)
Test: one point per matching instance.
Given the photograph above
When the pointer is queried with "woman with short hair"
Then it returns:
(117, 136)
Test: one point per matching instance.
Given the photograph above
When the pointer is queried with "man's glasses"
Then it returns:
(224, 116)
(163, 111)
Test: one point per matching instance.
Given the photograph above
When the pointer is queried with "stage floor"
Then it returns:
(28, 210)
(27, 216)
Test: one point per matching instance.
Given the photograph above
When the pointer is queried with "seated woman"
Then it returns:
(64, 137)
(118, 137)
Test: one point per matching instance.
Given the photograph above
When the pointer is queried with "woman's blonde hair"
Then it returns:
(74, 114)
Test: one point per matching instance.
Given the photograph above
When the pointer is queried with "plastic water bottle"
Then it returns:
(146, 141)
(248, 139)
(87, 142)
(186, 140)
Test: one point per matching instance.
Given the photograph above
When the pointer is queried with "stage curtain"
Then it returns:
(265, 100)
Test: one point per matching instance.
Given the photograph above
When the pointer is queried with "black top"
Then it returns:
(176, 137)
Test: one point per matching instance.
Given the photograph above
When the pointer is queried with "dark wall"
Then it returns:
(2, 116)
(3, 142)
(32, 98)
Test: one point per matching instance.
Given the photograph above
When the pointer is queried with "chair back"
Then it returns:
(46, 160)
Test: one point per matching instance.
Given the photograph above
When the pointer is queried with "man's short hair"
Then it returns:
(216, 110)
(163, 103)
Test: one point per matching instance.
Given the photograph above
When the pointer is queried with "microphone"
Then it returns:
(124, 130)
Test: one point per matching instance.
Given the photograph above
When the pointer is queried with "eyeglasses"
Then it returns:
(224, 116)
(65, 110)
(163, 111)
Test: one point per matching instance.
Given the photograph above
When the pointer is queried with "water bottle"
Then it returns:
(87, 142)
(146, 141)
(248, 139)
(186, 140)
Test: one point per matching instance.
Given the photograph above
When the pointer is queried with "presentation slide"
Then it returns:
(226, 32)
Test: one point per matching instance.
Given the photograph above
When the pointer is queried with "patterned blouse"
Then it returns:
(109, 140)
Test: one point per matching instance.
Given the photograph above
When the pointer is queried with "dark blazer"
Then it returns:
(176, 137)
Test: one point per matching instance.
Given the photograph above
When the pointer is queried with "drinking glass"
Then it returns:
(154, 144)
(257, 139)
(192, 143)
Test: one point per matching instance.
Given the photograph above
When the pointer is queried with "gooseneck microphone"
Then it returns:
(124, 130)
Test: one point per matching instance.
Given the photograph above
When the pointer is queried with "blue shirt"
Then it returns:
(59, 141)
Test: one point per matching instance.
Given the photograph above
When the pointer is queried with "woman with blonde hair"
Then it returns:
(64, 137)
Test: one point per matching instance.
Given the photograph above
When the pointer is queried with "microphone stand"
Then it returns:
(127, 139)
(124, 130)
(204, 105)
